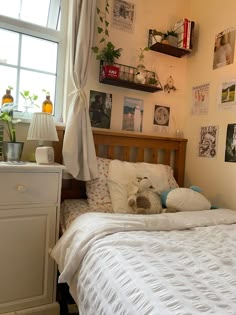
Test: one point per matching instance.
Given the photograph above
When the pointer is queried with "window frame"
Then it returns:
(58, 36)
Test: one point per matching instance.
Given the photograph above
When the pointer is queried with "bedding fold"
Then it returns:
(90, 227)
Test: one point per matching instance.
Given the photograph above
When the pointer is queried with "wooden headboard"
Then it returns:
(128, 146)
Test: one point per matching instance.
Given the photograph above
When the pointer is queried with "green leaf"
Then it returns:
(106, 33)
(102, 40)
(100, 30)
(101, 19)
(95, 49)
(98, 10)
(106, 23)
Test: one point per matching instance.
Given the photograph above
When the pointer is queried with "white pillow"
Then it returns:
(121, 173)
(186, 199)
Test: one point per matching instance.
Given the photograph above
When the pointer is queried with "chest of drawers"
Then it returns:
(29, 220)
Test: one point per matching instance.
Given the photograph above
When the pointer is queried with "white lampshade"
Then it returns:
(42, 128)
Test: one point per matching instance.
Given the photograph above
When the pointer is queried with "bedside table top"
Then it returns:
(30, 166)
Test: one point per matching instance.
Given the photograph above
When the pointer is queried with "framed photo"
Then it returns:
(100, 106)
(224, 48)
(230, 147)
(227, 95)
(208, 141)
(161, 115)
(132, 114)
(123, 15)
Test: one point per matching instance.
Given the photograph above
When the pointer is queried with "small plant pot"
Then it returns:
(172, 40)
(12, 151)
(110, 72)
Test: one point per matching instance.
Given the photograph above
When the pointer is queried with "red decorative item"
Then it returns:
(110, 72)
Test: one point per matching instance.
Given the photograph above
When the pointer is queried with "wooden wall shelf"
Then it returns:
(126, 79)
(170, 50)
(131, 85)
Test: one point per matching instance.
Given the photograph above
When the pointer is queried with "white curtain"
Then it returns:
(78, 147)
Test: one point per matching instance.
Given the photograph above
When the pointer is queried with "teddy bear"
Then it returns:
(142, 197)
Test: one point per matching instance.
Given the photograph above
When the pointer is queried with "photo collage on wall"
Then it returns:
(100, 106)
(208, 141)
(224, 54)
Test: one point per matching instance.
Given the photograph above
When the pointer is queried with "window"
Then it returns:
(32, 50)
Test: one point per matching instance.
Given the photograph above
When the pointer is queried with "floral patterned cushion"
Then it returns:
(97, 189)
(72, 208)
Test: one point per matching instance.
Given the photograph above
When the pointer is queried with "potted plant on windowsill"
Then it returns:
(107, 53)
(12, 149)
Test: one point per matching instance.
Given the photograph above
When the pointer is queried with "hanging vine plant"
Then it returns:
(107, 53)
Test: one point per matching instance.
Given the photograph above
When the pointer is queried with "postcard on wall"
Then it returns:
(208, 141)
(227, 95)
(200, 99)
(132, 114)
(100, 106)
(123, 15)
(224, 48)
(230, 147)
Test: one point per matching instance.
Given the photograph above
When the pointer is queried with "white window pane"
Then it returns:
(35, 11)
(11, 8)
(35, 83)
(7, 78)
(9, 42)
(39, 54)
(42, 12)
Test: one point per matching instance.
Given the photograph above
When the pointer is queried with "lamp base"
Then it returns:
(44, 155)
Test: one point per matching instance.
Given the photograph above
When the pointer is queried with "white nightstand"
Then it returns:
(29, 225)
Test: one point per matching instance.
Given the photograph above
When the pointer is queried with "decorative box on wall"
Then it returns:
(110, 72)
(125, 77)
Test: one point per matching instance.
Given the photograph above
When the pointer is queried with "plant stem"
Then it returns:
(9, 132)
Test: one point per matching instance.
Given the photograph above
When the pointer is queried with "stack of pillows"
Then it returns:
(110, 193)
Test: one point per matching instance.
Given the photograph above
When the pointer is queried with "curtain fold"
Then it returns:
(78, 148)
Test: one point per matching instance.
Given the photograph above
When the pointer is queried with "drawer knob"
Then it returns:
(21, 188)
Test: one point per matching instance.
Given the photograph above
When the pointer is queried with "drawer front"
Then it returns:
(28, 188)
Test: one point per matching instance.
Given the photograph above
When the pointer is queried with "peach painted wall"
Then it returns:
(157, 15)
(214, 176)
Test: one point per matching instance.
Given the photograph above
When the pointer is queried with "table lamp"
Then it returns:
(42, 128)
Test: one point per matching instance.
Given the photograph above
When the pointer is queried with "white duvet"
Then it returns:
(182, 263)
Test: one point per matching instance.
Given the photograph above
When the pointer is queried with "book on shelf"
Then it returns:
(192, 34)
(184, 28)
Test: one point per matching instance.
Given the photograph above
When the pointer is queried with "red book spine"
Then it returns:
(185, 33)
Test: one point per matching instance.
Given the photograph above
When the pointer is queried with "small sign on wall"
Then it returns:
(200, 99)
(208, 141)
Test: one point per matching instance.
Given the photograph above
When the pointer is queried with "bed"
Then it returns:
(117, 263)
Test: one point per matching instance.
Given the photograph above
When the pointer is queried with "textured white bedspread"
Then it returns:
(168, 264)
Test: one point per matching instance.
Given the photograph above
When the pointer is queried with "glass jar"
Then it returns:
(7, 98)
(47, 106)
